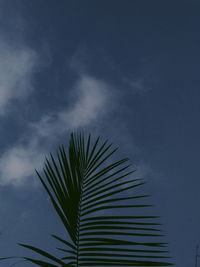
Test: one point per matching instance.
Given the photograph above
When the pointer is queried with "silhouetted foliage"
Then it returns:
(106, 222)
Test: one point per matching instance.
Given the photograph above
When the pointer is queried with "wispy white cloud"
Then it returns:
(17, 64)
(138, 86)
(90, 96)
(19, 162)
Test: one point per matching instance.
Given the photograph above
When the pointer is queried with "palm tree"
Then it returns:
(105, 227)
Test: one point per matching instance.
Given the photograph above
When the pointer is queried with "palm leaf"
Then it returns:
(85, 189)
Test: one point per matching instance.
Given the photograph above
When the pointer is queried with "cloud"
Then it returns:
(17, 65)
(138, 86)
(90, 99)
(19, 162)
(91, 95)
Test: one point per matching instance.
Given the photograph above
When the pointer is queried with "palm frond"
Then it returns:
(85, 188)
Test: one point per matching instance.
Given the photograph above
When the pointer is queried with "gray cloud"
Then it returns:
(18, 162)
(17, 64)
(91, 96)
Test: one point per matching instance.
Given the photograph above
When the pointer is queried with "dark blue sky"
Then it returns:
(127, 70)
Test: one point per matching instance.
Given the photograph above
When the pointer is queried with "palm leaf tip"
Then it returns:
(98, 204)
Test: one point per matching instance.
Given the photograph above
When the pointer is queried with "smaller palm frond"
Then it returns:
(107, 224)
